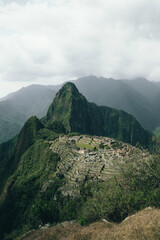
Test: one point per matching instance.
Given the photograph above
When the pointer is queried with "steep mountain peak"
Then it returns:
(27, 135)
(73, 112)
(67, 98)
(32, 124)
(67, 89)
(69, 86)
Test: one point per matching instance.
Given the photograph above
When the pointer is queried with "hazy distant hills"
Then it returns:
(148, 89)
(138, 97)
(125, 95)
(17, 107)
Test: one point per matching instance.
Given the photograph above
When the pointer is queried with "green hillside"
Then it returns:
(76, 177)
(51, 176)
(17, 107)
(78, 115)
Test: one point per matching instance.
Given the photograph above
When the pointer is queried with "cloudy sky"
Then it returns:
(50, 41)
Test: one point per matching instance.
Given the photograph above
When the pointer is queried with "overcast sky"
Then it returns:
(50, 41)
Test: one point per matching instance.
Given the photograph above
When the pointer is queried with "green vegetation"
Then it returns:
(57, 127)
(62, 107)
(84, 145)
(72, 111)
(117, 145)
(34, 195)
(129, 96)
(6, 158)
(135, 188)
(27, 136)
(35, 169)
(107, 147)
(46, 134)
(73, 134)
(37, 186)
(157, 131)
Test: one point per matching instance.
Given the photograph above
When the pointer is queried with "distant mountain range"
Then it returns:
(17, 107)
(138, 97)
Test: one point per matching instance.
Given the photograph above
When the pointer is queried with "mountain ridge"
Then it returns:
(78, 115)
(119, 94)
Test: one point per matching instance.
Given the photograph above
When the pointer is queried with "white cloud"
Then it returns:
(43, 41)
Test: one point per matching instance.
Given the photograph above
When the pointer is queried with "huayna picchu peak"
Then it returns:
(62, 106)
(71, 109)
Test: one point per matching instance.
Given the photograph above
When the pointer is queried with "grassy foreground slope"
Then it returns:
(143, 225)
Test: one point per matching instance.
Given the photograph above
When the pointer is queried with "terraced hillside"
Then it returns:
(85, 158)
(59, 176)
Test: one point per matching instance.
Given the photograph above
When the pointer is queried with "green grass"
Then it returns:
(117, 145)
(84, 145)
(107, 147)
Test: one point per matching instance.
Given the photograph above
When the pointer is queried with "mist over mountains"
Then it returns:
(131, 96)
(138, 97)
(17, 107)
